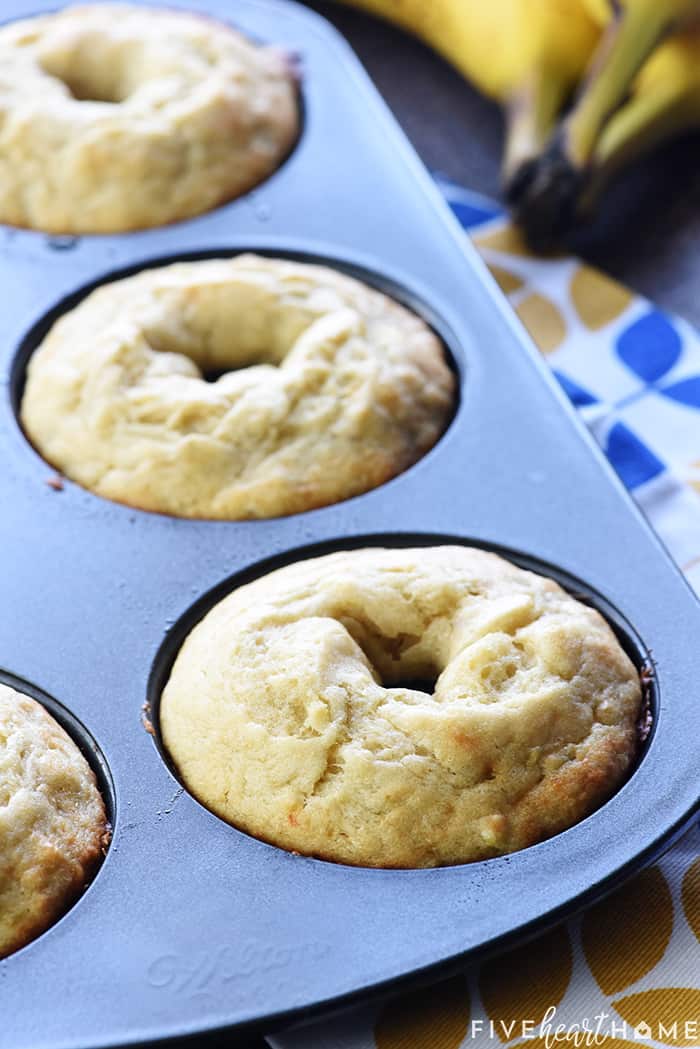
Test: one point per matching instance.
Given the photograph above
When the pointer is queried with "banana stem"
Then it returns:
(627, 43)
(531, 113)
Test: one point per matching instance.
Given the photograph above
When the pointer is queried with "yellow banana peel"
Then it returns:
(664, 102)
(527, 54)
(638, 29)
(498, 43)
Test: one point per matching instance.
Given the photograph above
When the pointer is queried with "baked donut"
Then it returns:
(115, 117)
(294, 709)
(337, 389)
(53, 826)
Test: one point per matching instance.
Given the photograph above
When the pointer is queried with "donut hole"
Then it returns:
(416, 672)
(404, 660)
(89, 91)
(214, 374)
(83, 90)
(86, 81)
(219, 332)
(202, 363)
(424, 684)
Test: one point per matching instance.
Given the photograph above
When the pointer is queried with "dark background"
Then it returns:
(648, 232)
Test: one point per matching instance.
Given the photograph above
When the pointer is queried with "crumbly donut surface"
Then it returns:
(286, 715)
(334, 388)
(115, 117)
(52, 820)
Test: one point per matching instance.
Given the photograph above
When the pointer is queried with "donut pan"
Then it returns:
(190, 925)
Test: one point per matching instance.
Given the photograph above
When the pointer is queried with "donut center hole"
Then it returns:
(215, 349)
(87, 90)
(214, 374)
(86, 82)
(415, 684)
(403, 661)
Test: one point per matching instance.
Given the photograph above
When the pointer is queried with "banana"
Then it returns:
(643, 87)
(639, 61)
(528, 55)
(631, 38)
(665, 101)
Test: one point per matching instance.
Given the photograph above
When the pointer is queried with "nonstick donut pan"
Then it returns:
(191, 926)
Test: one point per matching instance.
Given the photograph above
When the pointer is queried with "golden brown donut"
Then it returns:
(294, 708)
(333, 388)
(115, 117)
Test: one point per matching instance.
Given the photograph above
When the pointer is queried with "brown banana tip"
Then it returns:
(516, 182)
(544, 196)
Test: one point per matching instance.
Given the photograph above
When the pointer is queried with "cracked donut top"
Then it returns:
(116, 117)
(53, 826)
(236, 388)
(401, 707)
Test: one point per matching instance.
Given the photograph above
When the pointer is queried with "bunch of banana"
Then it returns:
(632, 67)
(642, 87)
